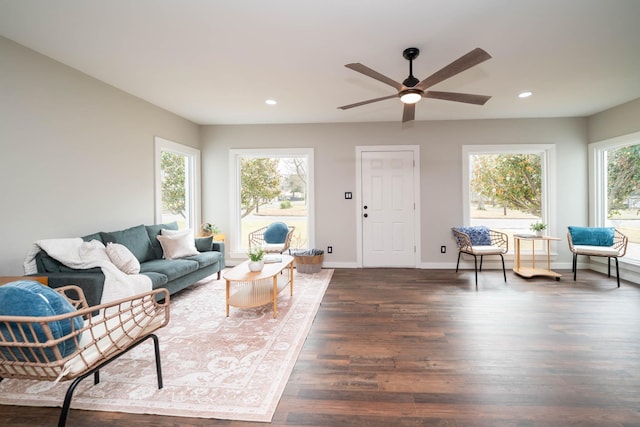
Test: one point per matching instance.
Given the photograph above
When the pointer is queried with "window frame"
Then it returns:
(547, 154)
(598, 197)
(193, 176)
(235, 246)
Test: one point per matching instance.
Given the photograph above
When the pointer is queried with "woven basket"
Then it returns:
(309, 264)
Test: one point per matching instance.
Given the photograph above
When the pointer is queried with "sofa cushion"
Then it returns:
(479, 234)
(30, 298)
(158, 280)
(592, 236)
(94, 236)
(172, 268)
(154, 230)
(136, 239)
(206, 258)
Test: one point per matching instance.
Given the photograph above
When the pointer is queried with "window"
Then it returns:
(615, 189)
(508, 187)
(177, 183)
(270, 185)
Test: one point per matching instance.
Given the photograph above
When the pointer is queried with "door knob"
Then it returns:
(366, 215)
(365, 206)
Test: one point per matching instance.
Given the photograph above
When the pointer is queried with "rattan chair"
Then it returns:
(496, 243)
(615, 251)
(114, 329)
(260, 238)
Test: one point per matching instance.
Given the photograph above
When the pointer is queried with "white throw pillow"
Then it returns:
(177, 243)
(122, 258)
(167, 232)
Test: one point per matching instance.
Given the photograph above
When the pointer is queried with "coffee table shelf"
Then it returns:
(246, 289)
(533, 270)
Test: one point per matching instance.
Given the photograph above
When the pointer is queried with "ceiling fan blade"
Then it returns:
(369, 101)
(356, 66)
(475, 57)
(467, 98)
(409, 112)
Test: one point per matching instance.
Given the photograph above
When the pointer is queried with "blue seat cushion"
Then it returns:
(205, 259)
(276, 233)
(172, 268)
(32, 299)
(592, 236)
(479, 234)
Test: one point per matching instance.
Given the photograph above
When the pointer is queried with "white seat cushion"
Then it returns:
(487, 250)
(273, 247)
(596, 250)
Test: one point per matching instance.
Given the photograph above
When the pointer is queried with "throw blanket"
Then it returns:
(78, 254)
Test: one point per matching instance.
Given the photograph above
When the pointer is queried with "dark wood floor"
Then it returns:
(423, 348)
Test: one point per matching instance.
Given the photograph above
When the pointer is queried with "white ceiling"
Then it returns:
(217, 61)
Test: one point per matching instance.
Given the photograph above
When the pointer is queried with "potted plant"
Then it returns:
(538, 227)
(256, 259)
(209, 229)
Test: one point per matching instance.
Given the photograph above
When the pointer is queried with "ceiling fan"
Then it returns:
(411, 90)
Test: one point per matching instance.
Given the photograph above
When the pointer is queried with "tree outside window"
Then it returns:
(176, 183)
(623, 194)
(273, 185)
(507, 187)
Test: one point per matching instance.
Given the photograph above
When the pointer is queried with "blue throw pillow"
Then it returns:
(276, 233)
(479, 235)
(30, 298)
(592, 236)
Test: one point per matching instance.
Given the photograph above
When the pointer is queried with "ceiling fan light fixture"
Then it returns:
(411, 96)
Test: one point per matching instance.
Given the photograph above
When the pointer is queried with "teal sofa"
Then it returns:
(141, 240)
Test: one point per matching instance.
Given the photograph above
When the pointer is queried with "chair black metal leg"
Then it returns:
(156, 346)
(458, 263)
(575, 266)
(475, 265)
(481, 257)
(504, 272)
(609, 266)
(96, 373)
(617, 272)
(67, 400)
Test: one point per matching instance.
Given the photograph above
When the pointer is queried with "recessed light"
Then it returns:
(525, 94)
(270, 102)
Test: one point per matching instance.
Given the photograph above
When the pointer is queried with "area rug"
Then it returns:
(214, 366)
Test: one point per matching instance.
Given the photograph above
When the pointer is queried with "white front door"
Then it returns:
(388, 208)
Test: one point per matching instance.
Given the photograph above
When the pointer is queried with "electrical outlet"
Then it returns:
(329, 249)
(443, 249)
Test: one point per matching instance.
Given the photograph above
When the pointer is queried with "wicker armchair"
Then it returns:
(273, 238)
(116, 328)
(617, 250)
(481, 241)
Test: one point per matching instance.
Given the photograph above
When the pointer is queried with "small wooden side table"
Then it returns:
(8, 279)
(533, 270)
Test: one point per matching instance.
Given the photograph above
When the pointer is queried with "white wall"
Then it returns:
(617, 121)
(76, 155)
(441, 160)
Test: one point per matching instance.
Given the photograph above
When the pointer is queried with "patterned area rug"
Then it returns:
(232, 368)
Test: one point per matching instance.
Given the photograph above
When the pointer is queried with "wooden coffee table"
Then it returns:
(531, 271)
(247, 289)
